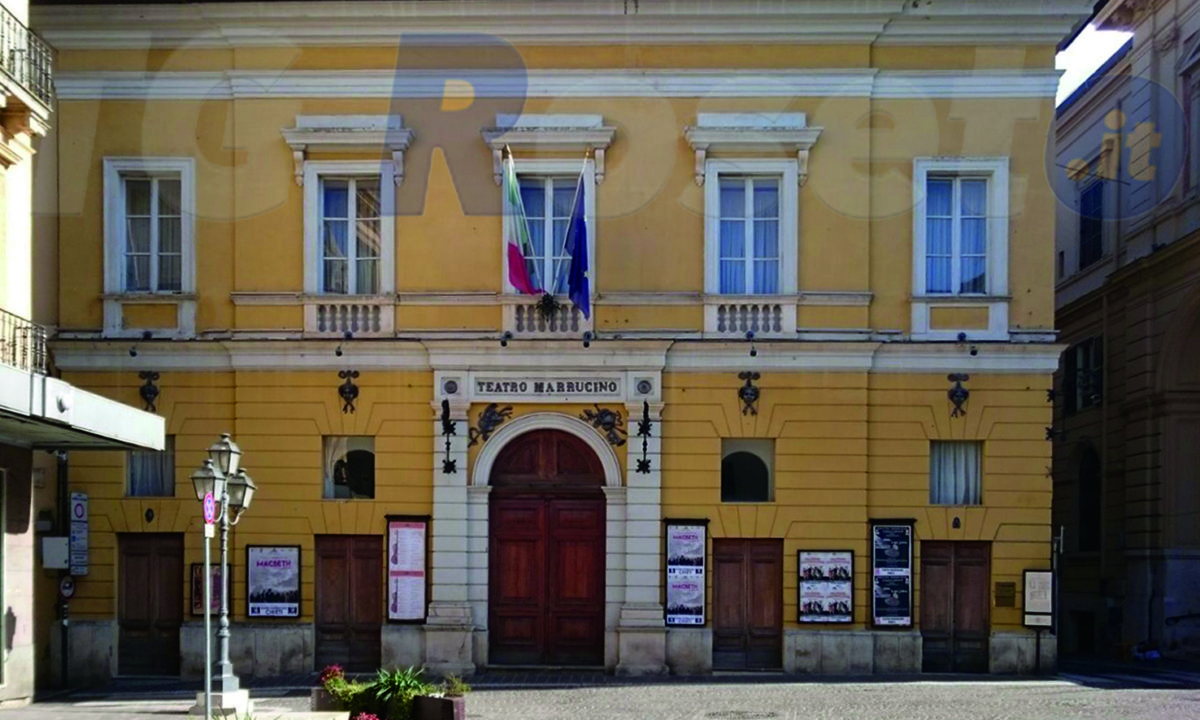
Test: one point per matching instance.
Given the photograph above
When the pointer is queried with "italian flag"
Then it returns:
(516, 236)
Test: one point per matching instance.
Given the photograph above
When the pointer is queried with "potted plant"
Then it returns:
(448, 702)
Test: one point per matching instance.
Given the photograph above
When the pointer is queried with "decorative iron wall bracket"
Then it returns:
(749, 393)
(643, 431)
(449, 465)
(348, 391)
(958, 394)
(149, 391)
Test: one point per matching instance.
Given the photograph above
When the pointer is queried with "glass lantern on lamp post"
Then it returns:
(221, 475)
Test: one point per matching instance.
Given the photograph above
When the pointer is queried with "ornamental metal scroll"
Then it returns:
(491, 418)
(607, 421)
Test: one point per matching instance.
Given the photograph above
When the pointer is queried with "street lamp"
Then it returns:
(229, 485)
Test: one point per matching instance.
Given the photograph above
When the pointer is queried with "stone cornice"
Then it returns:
(558, 22)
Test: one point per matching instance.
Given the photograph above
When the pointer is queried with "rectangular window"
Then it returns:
(956, 235)
(1083, 375)
(153, 232)
(349, 467)
(749, 235)
(1091, 227)
(955, 472)
(548, 202)
(152, 473)
(350, 214)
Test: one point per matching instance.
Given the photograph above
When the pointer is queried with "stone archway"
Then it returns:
(479, 531)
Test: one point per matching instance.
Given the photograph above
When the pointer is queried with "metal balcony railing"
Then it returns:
(22, 343)
(25, 57)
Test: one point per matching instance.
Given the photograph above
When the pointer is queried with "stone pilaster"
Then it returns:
(450, 627)
(641, 627)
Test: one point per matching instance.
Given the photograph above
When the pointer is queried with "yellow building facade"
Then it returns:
(820, 334)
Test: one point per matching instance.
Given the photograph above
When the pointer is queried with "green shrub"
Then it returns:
(454, 686)
(394, 691)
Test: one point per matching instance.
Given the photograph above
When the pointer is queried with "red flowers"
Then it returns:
(332, 672)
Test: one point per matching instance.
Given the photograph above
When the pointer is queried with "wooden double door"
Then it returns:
(546, 554)
(349, 601)
(955, 607)
(748, 600)
(150, 603)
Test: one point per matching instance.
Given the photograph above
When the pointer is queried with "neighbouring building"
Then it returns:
(43, 418)
(820, 339)
(1127, 420)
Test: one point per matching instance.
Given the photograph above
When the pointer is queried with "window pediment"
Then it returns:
(348, 133)
(752, 132)
(553, 133)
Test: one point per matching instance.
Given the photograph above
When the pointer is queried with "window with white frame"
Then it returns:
(956, 235)
(548, 202)
(749, 243)
(751, 227)
(955, 472)
(149, 232)
(960, 227)
(548, 189)
(349, 227)
(351, 242)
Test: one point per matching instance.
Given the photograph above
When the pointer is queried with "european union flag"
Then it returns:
(576, 245)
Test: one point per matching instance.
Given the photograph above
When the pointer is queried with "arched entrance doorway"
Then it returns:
(546, 550)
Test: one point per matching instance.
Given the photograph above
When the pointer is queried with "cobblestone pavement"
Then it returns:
(1095, 696)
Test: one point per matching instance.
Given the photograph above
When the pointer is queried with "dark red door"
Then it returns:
(955, 606)
(748, 599)
(546, 554)
(349, 603)
(150, 603)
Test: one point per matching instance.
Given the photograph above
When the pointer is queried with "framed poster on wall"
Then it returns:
(891, 573)
(1039, 598)
(826, 586)
(273, 581)
(407, 569)
(686, 543)
(214, 577)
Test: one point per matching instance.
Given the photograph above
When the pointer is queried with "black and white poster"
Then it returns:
(826, 586)
(273, 581)
(685, 573)
(891, 573)
(406, 569)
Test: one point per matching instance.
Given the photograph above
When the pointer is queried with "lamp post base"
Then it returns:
(234, 704)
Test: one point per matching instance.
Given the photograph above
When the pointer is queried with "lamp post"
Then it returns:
(229, 484)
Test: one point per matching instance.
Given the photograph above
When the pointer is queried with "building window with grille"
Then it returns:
(152, 473)
(749, 247)
(548, 201)
(1083, 374)
(349, 467)
(149, 225)
(349, 228)
(351, 241)
(746, 466)
(1091, 224)
(955, 472)
(956, 235)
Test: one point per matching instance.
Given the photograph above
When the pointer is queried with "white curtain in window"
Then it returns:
(955, 472)
(152, 474)
(939, 235)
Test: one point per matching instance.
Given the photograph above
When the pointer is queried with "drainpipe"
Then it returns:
(64, 530)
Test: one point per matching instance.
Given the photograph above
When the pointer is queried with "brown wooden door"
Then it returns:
(546, 554)
(748, 600)
(150, 603)
(955, 606)
(349, 599)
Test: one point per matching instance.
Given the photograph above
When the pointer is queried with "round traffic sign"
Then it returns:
(210, 509)
(66, 588)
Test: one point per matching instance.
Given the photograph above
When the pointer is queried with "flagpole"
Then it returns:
(578, 188)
